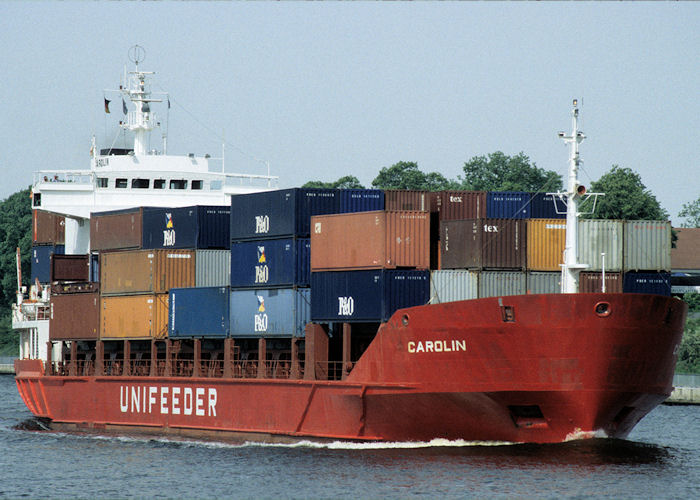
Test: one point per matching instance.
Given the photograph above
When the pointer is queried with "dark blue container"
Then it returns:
(270, 312)
(271, 263)
(361, 200)
(41, 261)
(95, 267)
(199, 227)
(366, 296)
(542, 206)
(279, 214)
(199, 312)
(652, 283)
(507, 205)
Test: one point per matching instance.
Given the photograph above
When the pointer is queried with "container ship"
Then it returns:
(169, 299)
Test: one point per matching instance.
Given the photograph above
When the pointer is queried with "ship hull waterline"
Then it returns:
(527, 368)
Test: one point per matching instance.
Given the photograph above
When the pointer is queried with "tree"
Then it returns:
(407, 175)
(500, 172)
(347, 182)
(626, 197)
(689, 351)
(691, 214)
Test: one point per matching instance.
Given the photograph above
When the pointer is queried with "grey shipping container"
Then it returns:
(543, 282)
(453, 285)
(600, 236)
(276, 312)
(499, 283)
(212, 268)
(647, 245)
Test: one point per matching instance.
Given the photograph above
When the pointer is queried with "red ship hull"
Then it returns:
(530, 368)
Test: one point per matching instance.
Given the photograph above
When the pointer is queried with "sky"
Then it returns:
(323, 90)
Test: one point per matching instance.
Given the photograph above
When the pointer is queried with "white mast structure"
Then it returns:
(574, 195)
(142, 120)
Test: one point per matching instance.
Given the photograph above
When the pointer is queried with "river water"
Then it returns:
(661, 459)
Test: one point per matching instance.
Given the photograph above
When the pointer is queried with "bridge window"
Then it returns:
(215, 185)
(140, 183)
(178, 184)
(196, 185)
(102, 182)
(121, 183)
(159, 184)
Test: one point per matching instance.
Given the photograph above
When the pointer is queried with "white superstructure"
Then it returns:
(121, 178)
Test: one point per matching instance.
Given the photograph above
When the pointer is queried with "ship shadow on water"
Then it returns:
(34, 424)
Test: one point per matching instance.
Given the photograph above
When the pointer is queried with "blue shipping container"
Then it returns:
(199, 312)
(95, 267)
(366, 296)
(361, 200)
(542, 206)
(279, 214)
(41, 261)
(507, 205)
(271, 263)
(276, 312)
(652, 283)
(186, 227)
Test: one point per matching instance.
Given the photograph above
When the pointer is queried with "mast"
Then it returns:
(573, 195)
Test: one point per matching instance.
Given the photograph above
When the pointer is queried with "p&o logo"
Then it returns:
(346, 306)
(260, 319)
(262, 224)
(262, 273)
(169, 232)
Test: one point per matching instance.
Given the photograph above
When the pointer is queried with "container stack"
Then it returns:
(48, 238)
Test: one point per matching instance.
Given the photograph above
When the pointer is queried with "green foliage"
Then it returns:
(689, 352)
(691, 214)
(625, 197)
(9, 338)
(347, 182)
(693, 301)
(500, 172)
(15, 231)
(407, 175)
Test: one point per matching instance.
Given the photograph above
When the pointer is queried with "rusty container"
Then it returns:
(75, 316)
(134, 316)
(546, 239)
(116, 229)
(70, 267)
(404, 199)
(370, 240)
(146, 271)
(48, 228)
(455, 205)
(483, 244)
(590, 282)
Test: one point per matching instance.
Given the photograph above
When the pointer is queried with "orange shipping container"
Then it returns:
(146, 271)
(546, 239)
(370, 240)
(134, 316)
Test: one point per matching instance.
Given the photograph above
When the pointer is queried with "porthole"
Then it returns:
(602, 309)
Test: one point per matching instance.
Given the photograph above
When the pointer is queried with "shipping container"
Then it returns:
(75, 316)
(453, 285)
(61, 288)
(366, 296)
(146, 271)
(199, 312)
(361, 200)
(202, 227)
(600, 236)
(543, 282)
(70, 267)
(500, 283)
(370, 240)
(647, 245)
(507, 205)
(270, 312)
(279, 214)
(593, 282)
(95, 267)
(456, 205)
(212, 268)
(403, 199)
(134, 316)
(546, 240)
(41, 262)
(271, 263)
(652, 283)
(116, 229)
(483, 244)
(48, 228)
(547, 206)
